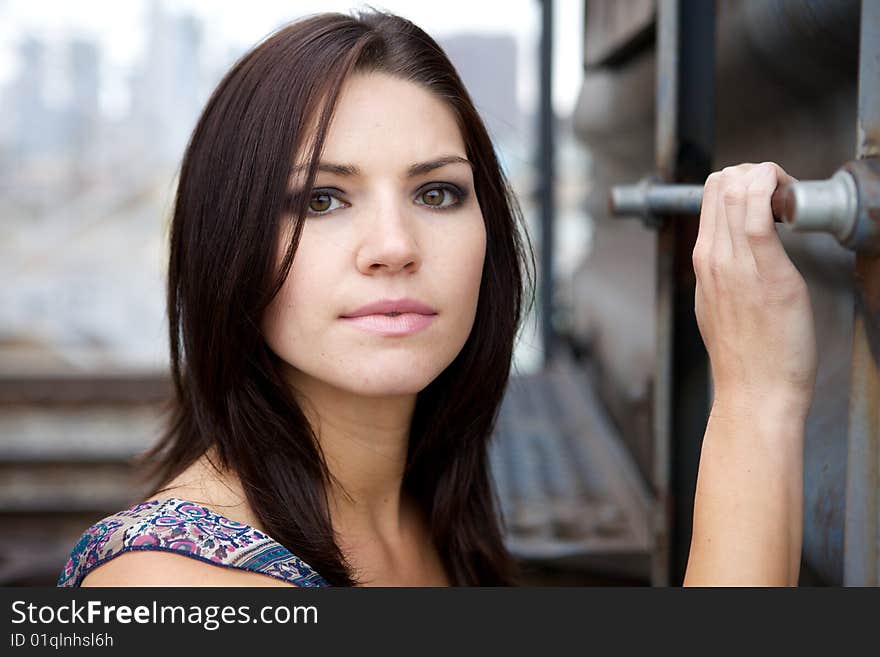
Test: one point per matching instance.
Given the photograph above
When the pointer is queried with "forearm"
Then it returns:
(748, 510)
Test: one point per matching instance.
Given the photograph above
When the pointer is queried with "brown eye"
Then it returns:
(323, 202)
(442, 196)
(434, 197)
(320, 202)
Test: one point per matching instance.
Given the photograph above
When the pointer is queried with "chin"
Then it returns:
(386, 374)
(388, 382)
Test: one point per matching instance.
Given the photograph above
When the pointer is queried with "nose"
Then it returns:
(389, 242)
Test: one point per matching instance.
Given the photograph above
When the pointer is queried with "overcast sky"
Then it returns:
(119, 29)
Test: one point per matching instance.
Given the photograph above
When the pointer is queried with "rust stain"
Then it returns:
(869, 141)
(865, 237)
(867, 298)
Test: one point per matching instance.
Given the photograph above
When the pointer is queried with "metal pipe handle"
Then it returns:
(814, 205)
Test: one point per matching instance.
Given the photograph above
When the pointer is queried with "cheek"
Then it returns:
(471, 254)
(459, 264)
(294, 313)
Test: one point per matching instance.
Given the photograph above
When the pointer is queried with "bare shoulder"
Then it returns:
(157, 568)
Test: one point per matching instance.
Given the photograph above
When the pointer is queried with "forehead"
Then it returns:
(382, 122)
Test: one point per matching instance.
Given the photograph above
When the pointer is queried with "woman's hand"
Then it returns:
(752, 304)
(755, 317)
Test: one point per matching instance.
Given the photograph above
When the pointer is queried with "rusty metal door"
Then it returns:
(861, 565)
(684, 145)
(847, 206)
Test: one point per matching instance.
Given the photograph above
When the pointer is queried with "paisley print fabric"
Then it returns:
(187, 528)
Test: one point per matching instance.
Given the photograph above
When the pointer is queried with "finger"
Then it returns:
(734, 197)
(760, 229)
(722, 249)
(703, 245)
(782, 176)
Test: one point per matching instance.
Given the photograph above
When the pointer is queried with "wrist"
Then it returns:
(758, 439)
(778, 407)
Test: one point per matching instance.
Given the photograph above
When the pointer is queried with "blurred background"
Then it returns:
(596, 450)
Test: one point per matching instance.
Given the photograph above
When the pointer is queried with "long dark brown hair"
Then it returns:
(228, 392)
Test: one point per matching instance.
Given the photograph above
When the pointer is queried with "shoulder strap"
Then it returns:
(180, 526)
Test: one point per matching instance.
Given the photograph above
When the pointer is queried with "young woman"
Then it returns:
(345, 286)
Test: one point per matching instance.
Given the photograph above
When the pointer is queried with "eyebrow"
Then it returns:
(413, 170)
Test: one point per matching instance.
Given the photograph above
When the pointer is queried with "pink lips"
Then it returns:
(405, 324)
(412, 316)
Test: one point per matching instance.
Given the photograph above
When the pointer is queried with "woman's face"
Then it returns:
(384, 230)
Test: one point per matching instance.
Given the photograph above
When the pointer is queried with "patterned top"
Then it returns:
(184, 527)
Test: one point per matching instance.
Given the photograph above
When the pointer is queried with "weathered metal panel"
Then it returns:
(545, 193)
(614, 29)
(684, 147)
(803, 56)
(862, 528)
(566, 485)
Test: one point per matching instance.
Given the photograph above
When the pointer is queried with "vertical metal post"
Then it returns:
(861, 559)
(684, 147)
(546, 166)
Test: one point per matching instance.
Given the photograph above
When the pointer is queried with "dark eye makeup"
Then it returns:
(455, 191)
